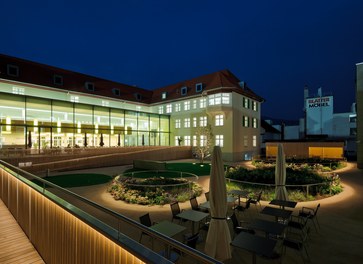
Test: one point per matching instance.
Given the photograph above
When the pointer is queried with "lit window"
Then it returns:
(254, 123)
(187, 122)
(254, 106)
(219, 120)
(168, 108)
(89, 86)
(184, 90)
(186, 140)
(219, 140)
(245, 121)
(18, 90)
(245, 141)
(105, 103)
(13, 70)
(74, 99)
(177, 123)
(195, 122)
(225, 98)
(177, 107)
(194, 104)
(254, 141)
(203, 121)
(57, 79)
(187, 105)
(246, 102)
(199, 87)
(176, 138)
(203, 140)
(161, 109)
(202, 103)
(194, 140)
(163, 95)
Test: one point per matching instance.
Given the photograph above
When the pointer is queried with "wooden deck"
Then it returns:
(15, 246)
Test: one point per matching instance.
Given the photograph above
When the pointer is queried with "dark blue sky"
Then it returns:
(275, 46)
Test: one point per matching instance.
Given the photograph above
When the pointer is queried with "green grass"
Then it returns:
(194, 168)
(77, 180)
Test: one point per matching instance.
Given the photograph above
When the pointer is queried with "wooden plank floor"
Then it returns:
(15, 246)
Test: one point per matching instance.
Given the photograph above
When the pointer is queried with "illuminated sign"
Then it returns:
(319, 102)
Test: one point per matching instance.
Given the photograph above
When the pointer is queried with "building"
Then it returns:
(359, 96)
(46, 107)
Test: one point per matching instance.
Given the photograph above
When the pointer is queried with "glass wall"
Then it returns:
(29, 122)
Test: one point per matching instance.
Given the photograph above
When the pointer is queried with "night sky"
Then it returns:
(276, 46)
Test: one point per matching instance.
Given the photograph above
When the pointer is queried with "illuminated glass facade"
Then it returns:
(33, 122)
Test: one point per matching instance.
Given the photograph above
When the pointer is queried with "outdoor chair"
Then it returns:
(298, 223)
(175, 254)
(206, 196)
(296, 242)
(257, 200)
(239, 207)
(146, 221)
(175, 210)
(237, 227)
(311, 214)
(195, 206)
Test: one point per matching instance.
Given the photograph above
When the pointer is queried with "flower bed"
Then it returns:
(153, 191)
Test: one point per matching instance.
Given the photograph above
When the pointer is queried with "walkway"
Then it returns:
(15, 246)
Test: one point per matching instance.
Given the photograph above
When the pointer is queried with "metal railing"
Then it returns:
(109, 222)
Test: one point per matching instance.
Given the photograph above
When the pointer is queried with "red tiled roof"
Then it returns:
(41, 74)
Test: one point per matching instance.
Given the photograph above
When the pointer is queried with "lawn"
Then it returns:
(77, 180)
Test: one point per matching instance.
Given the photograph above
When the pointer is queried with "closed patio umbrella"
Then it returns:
(280, 175)
(218, 240)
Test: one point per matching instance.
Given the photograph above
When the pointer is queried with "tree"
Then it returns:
(204, 148)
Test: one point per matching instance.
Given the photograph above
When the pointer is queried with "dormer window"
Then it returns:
(116, 91)
(184, 90)
(13, 70)
(199, 87)
(163, 95)
(90, 86)
(57, 79)
(138, 96)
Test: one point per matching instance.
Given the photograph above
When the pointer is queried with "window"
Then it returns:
(176, 140)
(203, 103)
(163, 95)
(353, 131)
(203, 121)
(105, 103)
(353, 119)
(194, 104)
(187, 105)
(177, 123)
(74, 99)
(138, 96)
(161, 109)
(217, 99)
(195, 122)
(194, 140)
(89, 86)
(254, 141)
(18, 90)
(219, 140)
(177, 107)
(186, 140)
(245, 121)
(254, 123)
(225, 98)
(245, 141)
(254, 106)
(116, 91)
(199, 87)
(203, 140)
(246, 102)
(219, 120)
(187, 122)
(184, 90)
(57, 79)
(13, 70)
(168, 108)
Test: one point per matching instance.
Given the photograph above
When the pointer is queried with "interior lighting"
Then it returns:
(59, 126)
(79, 127)
(35, 125)
(8, 124)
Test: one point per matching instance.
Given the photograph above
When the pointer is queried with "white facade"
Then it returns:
(319, 115)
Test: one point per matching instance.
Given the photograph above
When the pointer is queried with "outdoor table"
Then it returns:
(206, 204)
(239, 193)
(268, 227)
(255, 244)
(283, 203)
(193, 216)
(168, 229)
(277, 212)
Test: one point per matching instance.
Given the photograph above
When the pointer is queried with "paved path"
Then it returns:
(339, 240)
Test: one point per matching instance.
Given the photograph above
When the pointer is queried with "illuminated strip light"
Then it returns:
(8, 124)
(59, 129)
